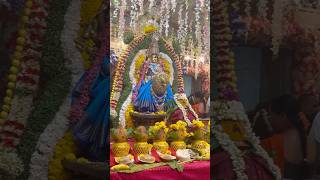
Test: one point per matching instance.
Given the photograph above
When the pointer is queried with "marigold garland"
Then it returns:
(16, 61)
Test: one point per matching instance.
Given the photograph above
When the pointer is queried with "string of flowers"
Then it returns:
(186, 25)
(276, 26)
(52, 67)
(255, 142)
(234, 110)
(167, 17)
(116, 9)
(235, 154)
(39, 162)
(180, 24)
(133, 14)
(162, 20)
(173, 5)
(226, 77)
(230, 107)
(197, 24)
(16, 62)
(26, 84)
(122, 19)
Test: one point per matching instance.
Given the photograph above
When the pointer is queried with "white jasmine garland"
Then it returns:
(167, 18)
(235, 154)
(180, 23)
(21, 107)
(116, 9)
(162, 20)
(186, 26)
(226, 107)
(57, 128)
(183, 110)
(133, 14)
(197, 23)
(122, 19)
(173, 5)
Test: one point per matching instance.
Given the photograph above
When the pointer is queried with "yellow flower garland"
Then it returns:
(16, 62)
(64, 149)
(129, 122)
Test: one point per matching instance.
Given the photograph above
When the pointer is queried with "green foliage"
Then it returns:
(176, 46)
(128, 37)
(58, 79)
(175, 165)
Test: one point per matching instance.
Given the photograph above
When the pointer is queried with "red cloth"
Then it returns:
(194, 170)
(275, 144)
(256, 167)
(178, 115)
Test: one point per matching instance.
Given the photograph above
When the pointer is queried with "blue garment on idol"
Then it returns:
(92, 131)
(146, 102)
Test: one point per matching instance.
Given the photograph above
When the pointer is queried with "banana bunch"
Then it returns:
(120, 167)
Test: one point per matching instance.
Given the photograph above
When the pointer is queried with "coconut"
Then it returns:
(146, 158)
(183, 154)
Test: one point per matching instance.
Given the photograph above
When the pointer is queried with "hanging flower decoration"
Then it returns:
(133, 14)
(228, 107)
(122, 19)
(226, 77)
(276, 26)
(24, 83)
